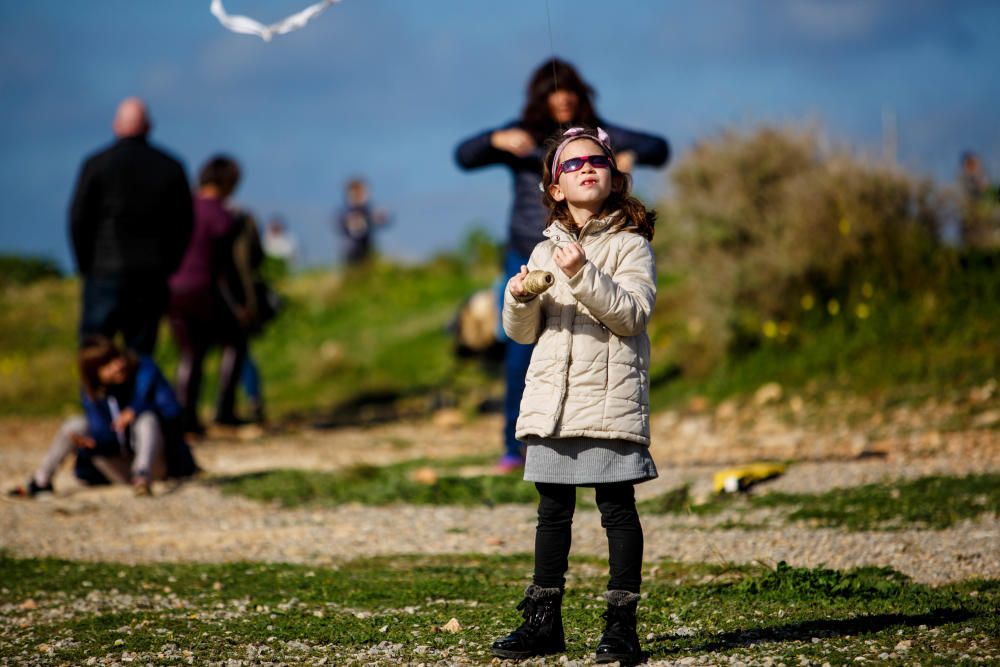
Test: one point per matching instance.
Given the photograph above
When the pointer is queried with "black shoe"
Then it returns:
(192, 425)
(30, 490)
(542, 630)
(620, 641)
(230, 420)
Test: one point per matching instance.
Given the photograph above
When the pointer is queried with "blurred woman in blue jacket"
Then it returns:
(131, 431)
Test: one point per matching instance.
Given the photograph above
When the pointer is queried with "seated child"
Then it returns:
(131, 432)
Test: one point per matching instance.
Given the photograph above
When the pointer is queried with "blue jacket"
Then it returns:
(148, 391)
(528, 214)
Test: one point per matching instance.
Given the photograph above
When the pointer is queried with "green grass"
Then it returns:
(349, 339)
(929, 502)
(380, 330)
(63, 612)
(384, 485)
(906, 348)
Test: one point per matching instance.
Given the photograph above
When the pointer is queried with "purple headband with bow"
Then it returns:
(574, 133)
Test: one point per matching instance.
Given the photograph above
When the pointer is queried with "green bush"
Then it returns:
(20, 270)
(766, 232)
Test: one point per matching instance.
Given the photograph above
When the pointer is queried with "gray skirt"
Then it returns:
(587, 461)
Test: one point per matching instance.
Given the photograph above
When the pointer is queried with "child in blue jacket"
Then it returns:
(131, 431)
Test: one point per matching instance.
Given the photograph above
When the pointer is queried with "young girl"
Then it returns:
(585, 410)
(131, 431)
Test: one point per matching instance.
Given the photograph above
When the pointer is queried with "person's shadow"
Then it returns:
(662, 645)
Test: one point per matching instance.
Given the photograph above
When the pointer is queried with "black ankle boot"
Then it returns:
(542, 630)
(620, 641)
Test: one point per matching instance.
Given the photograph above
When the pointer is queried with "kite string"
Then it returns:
(552, 48)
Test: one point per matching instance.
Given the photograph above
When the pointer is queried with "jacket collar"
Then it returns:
(559, 234)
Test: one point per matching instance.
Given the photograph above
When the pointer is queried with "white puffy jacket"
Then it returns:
(589, 372)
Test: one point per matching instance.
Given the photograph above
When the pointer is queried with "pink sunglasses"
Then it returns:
(576, 164)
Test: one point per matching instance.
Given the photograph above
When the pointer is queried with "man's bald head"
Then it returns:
(131, 119)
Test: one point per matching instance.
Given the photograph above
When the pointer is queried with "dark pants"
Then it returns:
(554, 534)
(127, 304)
(199, 321)
(517, 357)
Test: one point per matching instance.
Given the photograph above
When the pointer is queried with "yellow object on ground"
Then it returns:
(741, 478)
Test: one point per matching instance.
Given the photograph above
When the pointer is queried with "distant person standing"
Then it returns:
(130, 220)
(975, 183)
(203, 309)
(357, 222)
(981, 205)
(280, 248)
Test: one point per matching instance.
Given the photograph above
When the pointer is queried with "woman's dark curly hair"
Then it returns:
(636, 217)
(550, 76)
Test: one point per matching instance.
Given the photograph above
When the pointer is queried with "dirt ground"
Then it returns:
(195, 522)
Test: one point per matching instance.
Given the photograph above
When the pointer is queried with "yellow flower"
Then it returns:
(844, 226)
(867, 290)
(770, 329)
(862, 311)
(808, 301)
(833, 307)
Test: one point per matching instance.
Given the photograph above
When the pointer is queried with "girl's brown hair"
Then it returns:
(635, 217)
(98, 351)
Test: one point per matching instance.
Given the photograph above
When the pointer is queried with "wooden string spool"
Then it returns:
(536, 282)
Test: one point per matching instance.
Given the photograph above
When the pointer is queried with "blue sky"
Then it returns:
(386, 88)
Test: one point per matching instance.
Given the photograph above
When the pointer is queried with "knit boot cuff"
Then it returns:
(537, 592)
(621, 598)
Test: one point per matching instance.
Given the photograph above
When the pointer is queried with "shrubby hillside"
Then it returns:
(779, 261)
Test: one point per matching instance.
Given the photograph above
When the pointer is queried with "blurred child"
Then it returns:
(132, 428)
(358, 221)
(585, 410)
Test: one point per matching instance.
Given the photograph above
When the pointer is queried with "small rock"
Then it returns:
(903, 645)
(29, 604)
(425, 475)
(768, 393)
(452, 626)
(698, 404)
(988, 418)
(726, 410)
(449, 418)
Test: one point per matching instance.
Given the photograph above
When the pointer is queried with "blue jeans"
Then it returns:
(516, 360)
(127, 304)
(250, 379)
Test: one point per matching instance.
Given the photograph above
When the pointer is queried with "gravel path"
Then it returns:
(194, 522)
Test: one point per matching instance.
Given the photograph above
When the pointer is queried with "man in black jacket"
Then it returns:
(130, 220)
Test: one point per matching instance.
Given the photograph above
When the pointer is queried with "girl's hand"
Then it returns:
(570, 258)
(516, 283)
(84, 441)
(126, 417)
(625, 161)
(514, 140)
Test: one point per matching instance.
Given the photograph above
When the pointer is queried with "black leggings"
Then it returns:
(554, 534)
